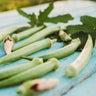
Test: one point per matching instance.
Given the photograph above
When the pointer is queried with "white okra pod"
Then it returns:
(74, 68)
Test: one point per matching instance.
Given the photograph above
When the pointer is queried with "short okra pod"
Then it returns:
(20, 68)
(39, 35)
(64, 36)
(32, 73)
(60, 53)
(74, 68)
(8, 44)
(8, 31)
(26, 33)
(27, 50)
(33, 87)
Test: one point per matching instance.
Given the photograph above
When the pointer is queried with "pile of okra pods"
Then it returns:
(43, 37)
(44, 63)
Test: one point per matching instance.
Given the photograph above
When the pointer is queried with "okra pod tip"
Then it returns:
(56, 61)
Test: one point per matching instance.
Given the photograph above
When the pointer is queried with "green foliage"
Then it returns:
(21, 12)
(88, 26)
(60, 18)
(32, 19)
(43, 17)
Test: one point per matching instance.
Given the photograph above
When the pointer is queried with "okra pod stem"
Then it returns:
(35, 37)
(26, 33)
(27, 50)
(74, 68)
(60, 53)
(8, 31)
(32, 87)
(20, 68)
(32, 73)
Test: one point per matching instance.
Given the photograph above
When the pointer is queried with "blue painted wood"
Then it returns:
(76, 8)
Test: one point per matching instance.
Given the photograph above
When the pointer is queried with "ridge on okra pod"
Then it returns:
(27, 50)
(6, 73)
(60, 53)
(26, 33)
(40, 70)
(39, 35)
(81, 61)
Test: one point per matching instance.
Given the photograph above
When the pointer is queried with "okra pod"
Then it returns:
(64, 36)
(26, 33)
(20, 68)
(8, 31)
(27, 50)
(60, 53)
(32, 87)
(8, 44)
(74, 68)
(32, 73)
(39, 35)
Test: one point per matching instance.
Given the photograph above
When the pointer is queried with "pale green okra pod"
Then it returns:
(74, 68)
(26, 33)
(27, 50)
(39, 35)
(32, 73)
(20, 68)
(60, 53)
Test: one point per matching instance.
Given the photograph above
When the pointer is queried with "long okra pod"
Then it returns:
(8, 31)
(26, 33)
(35, 37)
(20, 68)
(32, 73)
(60, 53)
(27, 50)
(74, 68)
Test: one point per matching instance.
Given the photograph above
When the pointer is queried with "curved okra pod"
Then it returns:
(64, 36)
(8, 44)
(26, 33)
(32, 87)
(8, 31)
(74, 68)
(39, 35)
(27, 50)
(60, 53)
(32, 73)
(20, 68)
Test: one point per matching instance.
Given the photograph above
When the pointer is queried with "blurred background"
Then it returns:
(6, 5)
